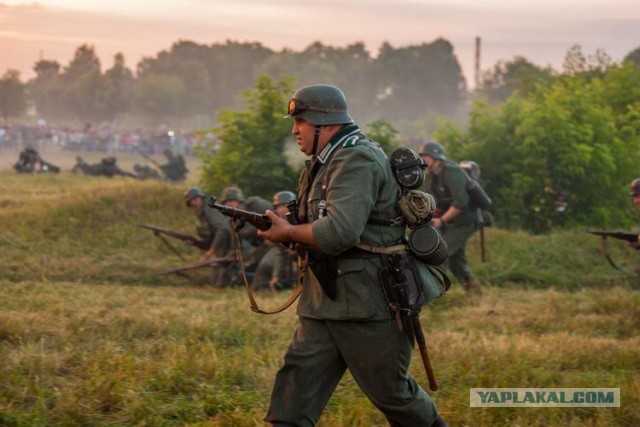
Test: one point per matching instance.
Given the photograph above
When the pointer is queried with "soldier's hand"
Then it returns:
(280, 230)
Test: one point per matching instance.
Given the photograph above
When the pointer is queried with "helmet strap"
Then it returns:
(316, 136)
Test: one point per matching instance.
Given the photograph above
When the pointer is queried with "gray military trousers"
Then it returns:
(376, 353)
(456, 236)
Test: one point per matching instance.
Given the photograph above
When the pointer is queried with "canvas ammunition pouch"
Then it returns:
(408, 284)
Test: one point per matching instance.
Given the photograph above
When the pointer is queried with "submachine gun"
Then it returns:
(258, 220)
(324, 267)
(261, 222)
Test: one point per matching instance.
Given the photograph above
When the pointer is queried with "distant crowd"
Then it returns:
(105, 138)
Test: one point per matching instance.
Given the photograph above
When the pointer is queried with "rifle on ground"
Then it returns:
(200, 264)
(171, 233)
(620, 235)
(146, 156)
(159, 231)
(258, 220)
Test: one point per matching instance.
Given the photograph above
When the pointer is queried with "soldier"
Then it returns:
(276, 268)
(80, 166)
(107, 167)
(29, 161)
(216, 235)
(347, 195)
(253, 245)
(175, 170)
(455, 216)
(145, 172)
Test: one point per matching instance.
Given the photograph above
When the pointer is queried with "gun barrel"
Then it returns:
(260, 221)
(621, 235)
(175, 234)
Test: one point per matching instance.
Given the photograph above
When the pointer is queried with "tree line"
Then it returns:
(195, 80)
(543, 138)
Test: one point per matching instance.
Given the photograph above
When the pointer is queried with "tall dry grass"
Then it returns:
(91, 335)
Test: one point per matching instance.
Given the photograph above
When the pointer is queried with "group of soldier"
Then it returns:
(29, 161)
(174, 170)
(268, 265)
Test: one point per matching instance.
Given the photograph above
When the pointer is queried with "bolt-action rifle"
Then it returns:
(620, 235)
(146, 156)
(200, 264)
(171, 233)
(159, 232)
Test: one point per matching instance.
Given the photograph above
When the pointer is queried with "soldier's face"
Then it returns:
(427, 159)
(636, 201)
(281, 210)
(304, 133)
(195, 203)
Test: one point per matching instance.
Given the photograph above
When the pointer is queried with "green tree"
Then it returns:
(562, 140)
(82, 80)
(384, 134)
(633, 56)
(508, 77)
(117, 89)
(46, 90)
(576, 63)
(252, 154)
(13, 99)
(158, 96)
(416, 79)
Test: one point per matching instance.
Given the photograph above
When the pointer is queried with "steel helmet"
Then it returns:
(635, 187)
(192, 193)
(319, 105)
(282, 198)
(432, 149)
(231, 193)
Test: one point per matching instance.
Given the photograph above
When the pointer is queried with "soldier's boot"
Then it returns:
(472, 287)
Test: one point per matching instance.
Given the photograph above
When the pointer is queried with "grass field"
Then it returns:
(90, 334)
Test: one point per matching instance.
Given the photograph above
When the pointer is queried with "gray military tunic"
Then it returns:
(223, 244)
(355, 331)
(449, 187)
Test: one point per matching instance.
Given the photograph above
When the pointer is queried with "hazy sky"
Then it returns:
(541, 30)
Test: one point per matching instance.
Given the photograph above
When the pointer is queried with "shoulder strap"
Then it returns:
(252, 301)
